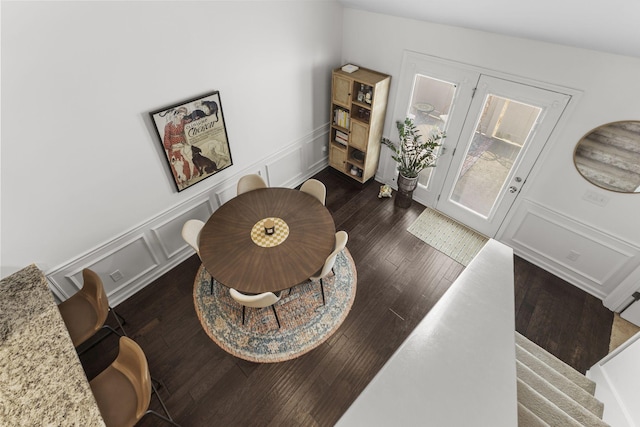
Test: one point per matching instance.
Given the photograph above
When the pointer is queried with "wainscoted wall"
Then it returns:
(582, 255)
(608, 261)
(97, 176)
(134, 259)
(80, 147)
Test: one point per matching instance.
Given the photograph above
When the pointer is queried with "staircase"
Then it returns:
(552, 393)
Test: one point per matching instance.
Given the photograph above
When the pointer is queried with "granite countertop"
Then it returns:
(41, 378)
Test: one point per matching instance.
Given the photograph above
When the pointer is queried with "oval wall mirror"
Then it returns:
(609, 156)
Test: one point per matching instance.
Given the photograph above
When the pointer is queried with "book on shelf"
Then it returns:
(341, 140)
(342, 135)
(341, 118)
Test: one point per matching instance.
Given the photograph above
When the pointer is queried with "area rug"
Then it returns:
(305, 322)
(448, 236)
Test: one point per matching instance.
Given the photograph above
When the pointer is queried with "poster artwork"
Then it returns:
(194, 137)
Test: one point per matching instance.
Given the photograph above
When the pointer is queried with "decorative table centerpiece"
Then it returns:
(413, 155)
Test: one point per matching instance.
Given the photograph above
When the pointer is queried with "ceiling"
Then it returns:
(609, 26)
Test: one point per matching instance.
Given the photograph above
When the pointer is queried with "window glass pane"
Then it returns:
(430, 105)
(502, 131)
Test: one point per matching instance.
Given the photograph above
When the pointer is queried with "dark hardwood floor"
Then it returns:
(566, 321)
(400, 278)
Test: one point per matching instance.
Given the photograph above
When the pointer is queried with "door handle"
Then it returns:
(512, 189)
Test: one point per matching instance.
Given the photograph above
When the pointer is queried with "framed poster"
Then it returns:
(194, 138)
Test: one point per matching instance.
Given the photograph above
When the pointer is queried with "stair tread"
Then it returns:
(558, 380)
(583, 407)
(550, 412)
(526, 418)
(555, 363)
(543, 408)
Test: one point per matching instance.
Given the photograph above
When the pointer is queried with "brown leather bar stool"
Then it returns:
(123, 390)
(86, 312)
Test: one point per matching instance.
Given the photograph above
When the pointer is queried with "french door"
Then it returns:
(506, 128)
(496, 129)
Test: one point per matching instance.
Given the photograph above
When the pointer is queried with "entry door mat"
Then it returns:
(305, 322)
(448, 236)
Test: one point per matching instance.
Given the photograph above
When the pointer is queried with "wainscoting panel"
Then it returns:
(169, 233)
(586, 257)
(223, 195)
(227, 192)
(286, 171)
(289, 168)
(118, 267)
(132, 260)
(125, 265)
(315, 149)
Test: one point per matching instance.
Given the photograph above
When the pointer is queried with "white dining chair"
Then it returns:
(250, 183)
(262, 300)
(191, 234)
(341, 243)
(315, 188)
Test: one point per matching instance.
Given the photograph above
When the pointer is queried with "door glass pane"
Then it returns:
(502, 131)
(430, 105)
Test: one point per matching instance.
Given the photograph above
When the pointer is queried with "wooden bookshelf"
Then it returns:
(358, 109)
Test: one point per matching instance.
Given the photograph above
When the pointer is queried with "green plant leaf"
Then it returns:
(412, 154)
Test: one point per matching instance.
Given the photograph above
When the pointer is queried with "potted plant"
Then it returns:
(413, 155)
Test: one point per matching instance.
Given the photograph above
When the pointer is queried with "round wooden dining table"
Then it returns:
(238, 253)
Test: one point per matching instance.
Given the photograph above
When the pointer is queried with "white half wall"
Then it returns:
(617, 386)
(83, 174)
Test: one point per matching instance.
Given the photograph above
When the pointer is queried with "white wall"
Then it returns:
(81, 164)
(84, 181)
(616, 377)
(608, 237)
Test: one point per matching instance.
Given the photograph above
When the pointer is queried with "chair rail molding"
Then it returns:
(130, 261)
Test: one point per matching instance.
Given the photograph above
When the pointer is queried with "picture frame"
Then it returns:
(194, 139)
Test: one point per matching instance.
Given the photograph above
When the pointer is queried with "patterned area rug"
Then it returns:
(306, 323)
(448, 236)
